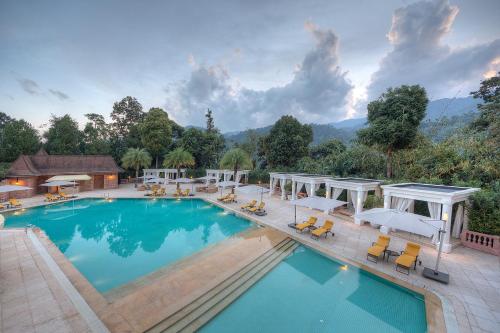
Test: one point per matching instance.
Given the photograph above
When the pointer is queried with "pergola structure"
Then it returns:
(281, 179)
(166, 174)
(357, 191)
(440, 200)
(310, 182)
(227, 175)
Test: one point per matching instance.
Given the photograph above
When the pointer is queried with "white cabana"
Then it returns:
(154, 180)
(214, 174)
(280, 179)
(357, 191)
(207, 179)
(183, 180)
(315, 203)
(409, 222)
(166, 174)
(310, 182)
(228, 183)
(13, 188)
(227, 175)
(69, 178)
(440, 200)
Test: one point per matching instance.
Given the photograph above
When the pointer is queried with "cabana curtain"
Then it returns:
(337, 192)
(401, 204)
(298, 187)
(434, 210)
(459, 219)
(354, 196)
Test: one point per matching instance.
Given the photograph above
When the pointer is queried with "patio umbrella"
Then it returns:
(321, 203)
(69, 178)
(58, 183)
(13, 188)
(154, 180)
(393, 218)
(227, 183)
(253, 189)
(183, 180)
(207, 179)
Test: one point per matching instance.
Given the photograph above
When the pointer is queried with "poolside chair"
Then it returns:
(50, 197)
(249, 205)
(306, 224)
(186, 192)
(408, 258)
(2, 207)
(231, 198)
(379, 247)
(64, 196)
(325, 229)
(15, 203)
(224, 197)
(178, 192)
(259, 208)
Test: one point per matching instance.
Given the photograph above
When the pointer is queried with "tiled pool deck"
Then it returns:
(471, 301)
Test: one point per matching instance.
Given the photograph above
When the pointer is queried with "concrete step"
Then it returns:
(201, 310)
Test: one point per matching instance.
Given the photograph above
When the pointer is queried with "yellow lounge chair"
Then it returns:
(307, 224)
(50, 197)
(224, 197)
(323, 230)
(64, 196)
(186, 192)
(2, 206)
(178, 192)
(15, 203)
(249, 205)
(408, 258)
(161, 192)
(379, 247)
(258, 208)
(231, 198)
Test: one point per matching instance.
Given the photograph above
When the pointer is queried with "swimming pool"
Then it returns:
(117, 241)
(308, 292)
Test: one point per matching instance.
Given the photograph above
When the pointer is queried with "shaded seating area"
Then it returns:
(378, 248)
(257, 209)
(306, 225)
(249, 205)
(408, 258)
(324, 230)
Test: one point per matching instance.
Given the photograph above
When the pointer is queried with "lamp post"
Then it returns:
(435, 274)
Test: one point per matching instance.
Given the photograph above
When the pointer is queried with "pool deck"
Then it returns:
(471, 301)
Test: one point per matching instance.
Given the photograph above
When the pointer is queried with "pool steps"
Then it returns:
(197, 313)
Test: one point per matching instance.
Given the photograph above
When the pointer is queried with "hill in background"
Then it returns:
(443, 117)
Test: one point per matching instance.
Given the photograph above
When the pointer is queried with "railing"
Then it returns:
(481, 242)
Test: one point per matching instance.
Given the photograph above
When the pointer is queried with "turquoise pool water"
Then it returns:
(308, 292)
(113, 243)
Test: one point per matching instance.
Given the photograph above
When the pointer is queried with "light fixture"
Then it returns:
(445, 216)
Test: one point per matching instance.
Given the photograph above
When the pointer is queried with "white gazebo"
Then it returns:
(214, 174)
(440, 200)
(166, 174)
(281, 179)
(310, 182)
(357, 191)
(227, 175)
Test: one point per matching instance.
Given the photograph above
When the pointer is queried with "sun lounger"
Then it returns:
(379, 247)
(186, 193)
(258, 208)
(231, 198)
(50, 197)
(408, 258)
(64, 196)
(224, 197)
(325, 229)
(15, 203)
(2, 207)
(249, 205)
(307, 224)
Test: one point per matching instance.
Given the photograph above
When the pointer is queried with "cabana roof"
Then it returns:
(310, 178)
(429, 192)
(358, 184)
(284, 175)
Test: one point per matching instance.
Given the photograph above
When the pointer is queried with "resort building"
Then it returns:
(165, 174)
(444, 203)
(357, 191)
(34, 170)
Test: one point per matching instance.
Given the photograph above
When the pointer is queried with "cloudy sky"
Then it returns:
(249, 61)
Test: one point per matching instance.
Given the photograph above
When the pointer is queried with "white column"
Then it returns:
(466, 215)
(446, 212)
(328, 191)
(411, 208)
(294, 185)
(358, 208)
(271, 186)
(283, 182)
(378, 192)
(387, 205)
(348, 197)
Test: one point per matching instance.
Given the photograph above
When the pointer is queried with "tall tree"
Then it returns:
(394, 119)
(210, 121)
(136, 158)
(17, 137)
(63, 136)
(126, 114)
(178, 158)
(156, 132)
(236, 159)
(489, 110)
(4, 119)
(96, 135)
(287, 142)
(194, 141)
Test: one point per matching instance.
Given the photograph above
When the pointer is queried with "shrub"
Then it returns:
(484, 211)
(321, 192)
(372, 201)
(254, 176)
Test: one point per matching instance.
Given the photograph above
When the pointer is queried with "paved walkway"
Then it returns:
(472, 297)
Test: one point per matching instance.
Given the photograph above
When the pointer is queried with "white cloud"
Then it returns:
(318, 92)
(420, 57)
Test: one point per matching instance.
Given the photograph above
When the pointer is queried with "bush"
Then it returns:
(254, 176)
(4, 167)
(196, 173)
(372, 201)
(321, 192)
(484, 211)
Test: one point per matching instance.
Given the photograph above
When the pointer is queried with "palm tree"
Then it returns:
(178, 158)
(236, 159)
(135, 158)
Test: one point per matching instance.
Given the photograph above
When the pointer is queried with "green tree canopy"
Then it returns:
(236, 159)
(63, 136)
(17, 137)
(394, 119)
(156, 132)
(333, 146)
(178, 158)
(136, 158)
(96, 135)
(126, 114)
(489, 111)
(4, 119)
(287, 142)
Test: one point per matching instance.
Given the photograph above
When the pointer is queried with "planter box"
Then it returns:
(481, 242)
